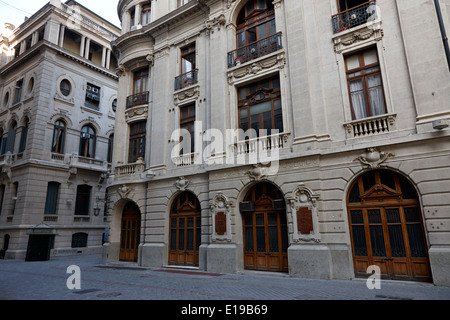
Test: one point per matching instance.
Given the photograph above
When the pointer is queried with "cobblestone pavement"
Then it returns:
(21, 280)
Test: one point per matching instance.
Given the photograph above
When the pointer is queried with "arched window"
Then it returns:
(59, 133)
(256, 32)
(24, 135)
(11, 138)
(87, 142)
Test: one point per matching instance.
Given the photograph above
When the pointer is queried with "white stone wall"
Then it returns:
(320, 147)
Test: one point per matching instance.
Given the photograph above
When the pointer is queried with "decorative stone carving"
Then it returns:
(124, 191)
(182, 184)
(273, 61)
(221, 217)
(373, 32)
(373, 158)
(304, 215)
(216, 22)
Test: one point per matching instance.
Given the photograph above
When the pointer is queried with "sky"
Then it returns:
(15, 11)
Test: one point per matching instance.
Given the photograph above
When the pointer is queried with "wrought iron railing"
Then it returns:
(186, 79)
(354, 17)
(255, 50)
(137, 99)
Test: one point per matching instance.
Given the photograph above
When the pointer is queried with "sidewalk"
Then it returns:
(21, 280)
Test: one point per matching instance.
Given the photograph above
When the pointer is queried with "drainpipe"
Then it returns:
(444, 35)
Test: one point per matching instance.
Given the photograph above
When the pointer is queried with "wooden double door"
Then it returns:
(185, 231)
(265, 230)
(386, 228)
(130, 233)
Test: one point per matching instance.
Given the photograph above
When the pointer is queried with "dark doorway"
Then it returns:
(39, 247)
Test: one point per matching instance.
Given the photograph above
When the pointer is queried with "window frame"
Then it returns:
(59, 135)
(83, 200)
(255, 89)
(364, 75)
(51, 200)
(188, 123)
(91, 137)
(140, 81)
(137, 139)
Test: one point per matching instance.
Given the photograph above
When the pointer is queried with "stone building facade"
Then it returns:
(307, 137)
(58, 90)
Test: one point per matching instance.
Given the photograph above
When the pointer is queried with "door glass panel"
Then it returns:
(359, 241)
(272, 219)
(412, 214)
(357, 217)
(393, 215)
(273, 239)
(190, 240)
(260, 219)
(396, 241)
(249, 239)
(416, 241)
(181, 234)
(374, 216)
(377, 241)
(260, 239)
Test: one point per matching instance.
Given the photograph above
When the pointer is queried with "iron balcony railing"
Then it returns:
(186, 79)
(137, 99)
(255, 50)
(354, 17)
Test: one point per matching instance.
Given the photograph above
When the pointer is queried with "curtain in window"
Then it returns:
(376, 95)
(358, 101)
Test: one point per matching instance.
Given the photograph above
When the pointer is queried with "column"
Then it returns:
(108, 58)
(104, 57)
(83, 40)
(62, 30)
(88, 47)
(137, 15)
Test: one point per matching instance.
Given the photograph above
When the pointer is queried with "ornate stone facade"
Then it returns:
(323, 146)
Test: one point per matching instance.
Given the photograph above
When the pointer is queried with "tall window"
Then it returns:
(255, 22)
(138, 133)
(23, 136)
(59, 133)
(146, 14)
(52, 198)
(18, 91)
(87, 142)
(11, 138)
(83, 200)
(140, 81)
(259, 106)
(365, 84)
(187, 124)
(110, 148)
(188, 70)
(188, 59)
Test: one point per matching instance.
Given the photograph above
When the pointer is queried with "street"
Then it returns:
(54, 280)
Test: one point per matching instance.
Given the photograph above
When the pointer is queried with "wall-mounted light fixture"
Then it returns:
(440, 124)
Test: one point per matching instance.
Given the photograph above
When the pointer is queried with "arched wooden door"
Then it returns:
(265, 229)
(185, 231)
(386, 227)
(130, 233)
